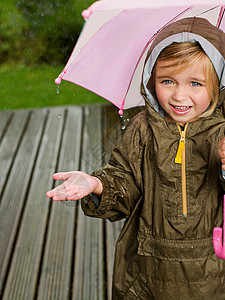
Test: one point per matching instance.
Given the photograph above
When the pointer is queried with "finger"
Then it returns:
(65, 192)
(75, 197)
(222, 154)
(60, 189)
(62, 175)
(71, 192)
(49, 194)
(222, 147)
(59, 198)
(221, 143)
(67, 197)
(52, 194)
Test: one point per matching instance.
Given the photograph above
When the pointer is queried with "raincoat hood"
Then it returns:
(211, 39)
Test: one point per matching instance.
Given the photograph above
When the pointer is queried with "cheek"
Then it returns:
(162, 95)
(203, 102)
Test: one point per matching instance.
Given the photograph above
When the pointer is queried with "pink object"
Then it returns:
(88, 12)
(58, 80)
(109, 55)
(218, 239)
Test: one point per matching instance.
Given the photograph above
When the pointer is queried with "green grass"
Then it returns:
(26, 87)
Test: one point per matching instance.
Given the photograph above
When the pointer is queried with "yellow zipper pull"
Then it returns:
(178, 158)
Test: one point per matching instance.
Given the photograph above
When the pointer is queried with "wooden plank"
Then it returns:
(89, 267)
(10, 144)
(5, 118)
(23, 273)
(12, 200)
(58, 257)
(112, 232)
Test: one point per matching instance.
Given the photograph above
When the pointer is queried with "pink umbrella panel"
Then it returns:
(109, 56)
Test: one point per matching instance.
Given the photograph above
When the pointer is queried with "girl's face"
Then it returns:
(183, 95)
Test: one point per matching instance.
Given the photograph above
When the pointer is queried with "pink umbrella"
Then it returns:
(218, 240)
(109, 55)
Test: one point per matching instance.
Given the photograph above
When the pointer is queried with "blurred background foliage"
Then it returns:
(36, 40)
(39, 31)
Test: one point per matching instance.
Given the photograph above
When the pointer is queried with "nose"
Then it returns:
(179, 93)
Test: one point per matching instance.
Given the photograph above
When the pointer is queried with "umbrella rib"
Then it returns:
(221, 16)
(175, 18)
(206, 11)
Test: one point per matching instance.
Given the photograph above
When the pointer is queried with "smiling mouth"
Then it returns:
(181, 108)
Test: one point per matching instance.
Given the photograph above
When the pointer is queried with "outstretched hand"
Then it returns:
(221, 151)
(77, 185)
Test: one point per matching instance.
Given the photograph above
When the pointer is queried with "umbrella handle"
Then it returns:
(219, 237)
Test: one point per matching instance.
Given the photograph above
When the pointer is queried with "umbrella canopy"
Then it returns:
(109, 55)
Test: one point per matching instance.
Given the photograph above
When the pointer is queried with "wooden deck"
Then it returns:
(50, 250)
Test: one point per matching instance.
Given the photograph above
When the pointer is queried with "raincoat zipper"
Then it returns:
(180, 159)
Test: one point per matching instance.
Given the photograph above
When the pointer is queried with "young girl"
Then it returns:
(166, 175)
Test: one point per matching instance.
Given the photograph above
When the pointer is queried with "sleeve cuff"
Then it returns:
(97, 199)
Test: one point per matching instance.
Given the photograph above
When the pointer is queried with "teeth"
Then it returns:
(181, 108)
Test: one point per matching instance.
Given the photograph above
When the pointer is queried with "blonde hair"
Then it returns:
(183, 55)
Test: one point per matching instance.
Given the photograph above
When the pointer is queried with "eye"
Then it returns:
(167, 81)
(193, 83)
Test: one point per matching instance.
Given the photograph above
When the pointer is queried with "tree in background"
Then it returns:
(12, 28)
(40, 31)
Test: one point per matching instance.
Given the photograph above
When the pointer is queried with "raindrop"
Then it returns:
(123, 127)
(60, 116)
(57, 89)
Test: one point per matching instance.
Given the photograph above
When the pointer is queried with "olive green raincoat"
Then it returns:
(160, 253)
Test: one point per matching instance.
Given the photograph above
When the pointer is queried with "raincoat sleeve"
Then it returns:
(121, 178)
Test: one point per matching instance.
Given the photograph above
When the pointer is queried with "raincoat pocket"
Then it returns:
(171, 249)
